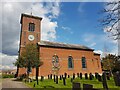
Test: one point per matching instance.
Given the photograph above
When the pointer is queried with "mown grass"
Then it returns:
(48, 83)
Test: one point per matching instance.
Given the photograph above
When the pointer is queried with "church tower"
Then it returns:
(30, 30)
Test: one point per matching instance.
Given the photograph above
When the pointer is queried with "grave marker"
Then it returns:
(76, 86)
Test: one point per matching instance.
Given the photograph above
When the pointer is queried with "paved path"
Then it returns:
(11, 83)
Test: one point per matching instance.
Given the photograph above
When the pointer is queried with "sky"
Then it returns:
(67, 22)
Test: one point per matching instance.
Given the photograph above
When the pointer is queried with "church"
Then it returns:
(58, 58)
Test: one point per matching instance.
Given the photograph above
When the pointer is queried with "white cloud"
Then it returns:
(7, 61)
(92, 44)
(67, 29)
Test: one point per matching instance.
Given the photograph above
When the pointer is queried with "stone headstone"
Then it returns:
(87, 87)
(108, 77)
(90, 76)
(60, 77)
(71, 79)
(65, 74)
(73, 75)
(64, 82)
(50, 76)
(96, 75)
(117, 78)
(42, 78)
(80, 75)
(76, 86)
(86, 76)
(104, 82)
(68, 76)
(99, 78)
(56, 79)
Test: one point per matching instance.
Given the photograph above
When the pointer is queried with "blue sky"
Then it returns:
(78, 24)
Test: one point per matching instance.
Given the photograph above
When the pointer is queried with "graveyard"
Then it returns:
(74, 81)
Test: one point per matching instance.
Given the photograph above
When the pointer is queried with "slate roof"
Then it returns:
(63, 45)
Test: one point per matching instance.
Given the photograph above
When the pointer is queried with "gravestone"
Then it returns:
(90, 76)
(42, 78)
(64, 82)
(68, 76)
(86, 76)
(56, 79)
(71, 79)
(73, 75)
(65, 74)
(93, 76)
(104, 82)
(80, 75)
(76, 86)
(96, 75)
(108, 77)
(34, 85)
(87, 87)
(99, 78)
(117, 78)
(60, 77)
(50, 76)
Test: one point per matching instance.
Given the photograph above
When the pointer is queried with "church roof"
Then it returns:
(63, 45)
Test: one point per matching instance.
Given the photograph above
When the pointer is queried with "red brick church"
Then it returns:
(70, 58)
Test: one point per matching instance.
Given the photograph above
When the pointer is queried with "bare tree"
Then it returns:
(111, 18)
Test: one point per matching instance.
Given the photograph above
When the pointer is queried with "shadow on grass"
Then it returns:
(48, 86)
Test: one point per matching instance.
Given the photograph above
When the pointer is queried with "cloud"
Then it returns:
(11, 13)
(81, 7)
(67, 29)
(92, 44)
(7, 61)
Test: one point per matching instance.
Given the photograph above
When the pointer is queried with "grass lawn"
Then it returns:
(48, 83)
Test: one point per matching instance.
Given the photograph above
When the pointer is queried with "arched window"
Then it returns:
(83, 62)
(31, 27)
(70, 62)
(55, 59)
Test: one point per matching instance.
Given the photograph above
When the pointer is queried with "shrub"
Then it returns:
(7, 76)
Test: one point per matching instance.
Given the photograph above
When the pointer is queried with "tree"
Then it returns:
(29, 58)
(111, 18)
(111, 63)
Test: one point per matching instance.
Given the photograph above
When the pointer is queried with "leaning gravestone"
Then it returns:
(87, 87)
(80, 75)
(117, 78)
(64, 82)
(86, 76)
(76, 86)
(104, 81)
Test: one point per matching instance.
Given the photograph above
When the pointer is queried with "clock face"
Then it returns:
(31, 37)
